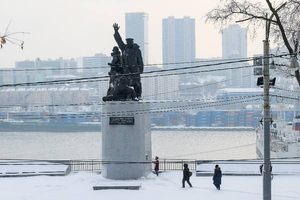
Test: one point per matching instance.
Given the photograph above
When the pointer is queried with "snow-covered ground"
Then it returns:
(79, 186)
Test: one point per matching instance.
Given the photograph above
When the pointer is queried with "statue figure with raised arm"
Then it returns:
(132, 61)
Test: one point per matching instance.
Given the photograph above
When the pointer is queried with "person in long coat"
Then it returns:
(217, 177)
(186, 175)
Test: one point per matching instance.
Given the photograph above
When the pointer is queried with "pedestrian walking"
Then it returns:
(156, 168)
(186, 175)
(217, 177)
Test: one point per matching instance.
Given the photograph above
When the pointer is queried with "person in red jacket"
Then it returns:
(156, 168)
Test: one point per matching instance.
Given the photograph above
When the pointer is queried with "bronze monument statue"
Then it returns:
(115, 69)
(132, 61)
(121, 92)
(125, 70)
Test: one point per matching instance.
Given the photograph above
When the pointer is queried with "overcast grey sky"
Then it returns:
(74, 28)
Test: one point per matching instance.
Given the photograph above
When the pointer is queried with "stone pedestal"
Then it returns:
(126, 140)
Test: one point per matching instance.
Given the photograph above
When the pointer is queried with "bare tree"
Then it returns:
(284, 18)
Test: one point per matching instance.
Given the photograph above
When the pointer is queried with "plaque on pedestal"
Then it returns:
(121, 121)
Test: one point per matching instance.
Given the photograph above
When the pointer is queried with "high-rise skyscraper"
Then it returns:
(136, 27)
(234, 42)
(234, 45)
(178, 37)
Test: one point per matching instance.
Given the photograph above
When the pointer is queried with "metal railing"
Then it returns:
(86, 165)
(96, 165)
(165, 164)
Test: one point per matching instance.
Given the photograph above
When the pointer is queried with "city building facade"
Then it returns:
(34, 97)
(234, 46)
(234, 42)
(178, 38)
(92, 65)
(136, 27)
(160, 87)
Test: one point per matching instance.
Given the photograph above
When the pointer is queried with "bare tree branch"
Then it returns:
(243, 20)
(275, 13)
(285, 20)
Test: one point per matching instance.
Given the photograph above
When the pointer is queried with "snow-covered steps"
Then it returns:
(118, 186)
(20, 169)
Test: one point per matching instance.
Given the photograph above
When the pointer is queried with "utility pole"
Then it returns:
(267, 119)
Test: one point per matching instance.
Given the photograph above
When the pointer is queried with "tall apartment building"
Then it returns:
(234, 42)
(234, 45)
(136, 27)
(178, 38)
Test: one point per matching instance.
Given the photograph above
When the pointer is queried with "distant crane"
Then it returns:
(9, 37)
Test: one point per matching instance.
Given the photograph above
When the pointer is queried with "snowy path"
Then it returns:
(79, 186)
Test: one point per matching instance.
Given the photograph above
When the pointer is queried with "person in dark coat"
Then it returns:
(156, 168)
(217, 177)
(186, 175)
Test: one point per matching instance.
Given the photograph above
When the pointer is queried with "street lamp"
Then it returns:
(260, 81)
(267, 117)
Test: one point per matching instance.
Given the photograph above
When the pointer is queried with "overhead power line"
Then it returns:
(106, 78)
(201, 105)
(195, 87)
(93, 79)
(107, 67)
(153, 102)
(287, 90)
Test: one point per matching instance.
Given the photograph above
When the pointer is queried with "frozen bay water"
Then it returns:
(184, 144)
(165, 144)
(78, 186)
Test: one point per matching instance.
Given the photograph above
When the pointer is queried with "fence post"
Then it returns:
(92, 165)
(164, 164)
